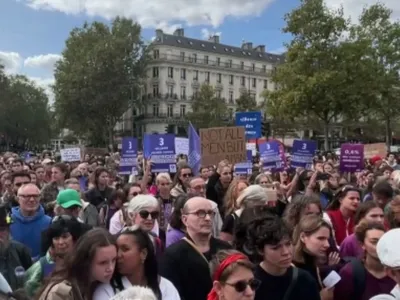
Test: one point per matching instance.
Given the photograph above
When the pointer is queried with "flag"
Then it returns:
(194, 158)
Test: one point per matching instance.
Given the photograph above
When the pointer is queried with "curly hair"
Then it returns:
(295, 210)
(231, 195)
(363, 227)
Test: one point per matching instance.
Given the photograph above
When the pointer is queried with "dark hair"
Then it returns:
(78, 264)
(20, 174)
(19, 161)
(144, 241)
(363, 209)
(97, 174)
(384, 189)
(175, 220)
(115, 195)
(362, 229)
(178, 173)
(36, 167)
(127, 187)
(342, 193)
(62, 167)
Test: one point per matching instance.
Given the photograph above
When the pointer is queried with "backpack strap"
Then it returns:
(295, 276)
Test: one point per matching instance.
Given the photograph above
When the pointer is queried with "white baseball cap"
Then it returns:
(388, 248)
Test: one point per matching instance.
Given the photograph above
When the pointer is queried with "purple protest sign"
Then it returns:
(351, 157)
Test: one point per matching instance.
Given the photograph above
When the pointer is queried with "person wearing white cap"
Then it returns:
(389, 255)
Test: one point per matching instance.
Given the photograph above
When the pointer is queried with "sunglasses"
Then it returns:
(187, 175)
(144, 214)
(241, 285)
(19, 184)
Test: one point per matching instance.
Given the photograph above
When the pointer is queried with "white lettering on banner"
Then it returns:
(246, 119)
(71, 154)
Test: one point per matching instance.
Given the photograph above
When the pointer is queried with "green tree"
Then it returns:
(24, 112)
(381, 37)
(98, 77)
(207, 109)
(321, 74)
(246, 102)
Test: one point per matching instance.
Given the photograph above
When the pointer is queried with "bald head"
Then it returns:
(28, 187)
(196, 203)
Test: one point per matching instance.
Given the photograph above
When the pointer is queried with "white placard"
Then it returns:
(70, 154)
(181, 145)
(331, 280)
(252, 147)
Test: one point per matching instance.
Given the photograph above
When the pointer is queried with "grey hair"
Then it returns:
(259, 177)
(135, 293)
(139, 202)
(20, 190)
(252, 195)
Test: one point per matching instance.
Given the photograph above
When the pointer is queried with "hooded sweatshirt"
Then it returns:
(28, 230)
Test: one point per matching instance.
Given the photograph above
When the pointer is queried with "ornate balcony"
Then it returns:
(161, 117)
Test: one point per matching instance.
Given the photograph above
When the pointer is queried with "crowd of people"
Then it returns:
(78, 231)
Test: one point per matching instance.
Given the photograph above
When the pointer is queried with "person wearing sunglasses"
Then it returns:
(144, 211)
(181, 180)
(232, 275)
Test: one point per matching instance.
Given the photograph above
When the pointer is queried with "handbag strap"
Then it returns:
(195, 248)
(295, 275)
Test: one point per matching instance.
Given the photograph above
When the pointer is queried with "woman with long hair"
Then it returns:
(181, 180)
(136, 266)
(92, 261)
(232, 275)
(99, 194)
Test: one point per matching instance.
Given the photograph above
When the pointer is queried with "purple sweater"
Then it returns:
(173, 236)
(350, 247)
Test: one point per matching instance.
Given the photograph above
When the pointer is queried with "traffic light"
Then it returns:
(265, 129)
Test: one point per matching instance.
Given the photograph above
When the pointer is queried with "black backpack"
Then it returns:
(359, 276)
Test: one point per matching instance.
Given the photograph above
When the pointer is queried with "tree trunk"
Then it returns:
(388, 133)
(326, 136)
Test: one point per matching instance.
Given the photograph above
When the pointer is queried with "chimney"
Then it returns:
(247, 46)
(260, 48)
(214, 38)
(159, 33)
(179, 32)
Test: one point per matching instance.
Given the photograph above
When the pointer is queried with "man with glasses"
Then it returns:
(29, 219)
(185, 263)
(17, 180)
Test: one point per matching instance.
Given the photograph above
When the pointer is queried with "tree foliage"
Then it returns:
(24, 112)
(246, 103)
(321, 76)
(207, 109)
(98, 77)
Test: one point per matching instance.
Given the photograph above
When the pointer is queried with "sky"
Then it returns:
(33, 32)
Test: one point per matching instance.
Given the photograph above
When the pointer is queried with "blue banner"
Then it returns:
(244, 168)
(251, 121)
(303, 152)
(194, 157)
(128, 162)
(270, 156)
(160, 148)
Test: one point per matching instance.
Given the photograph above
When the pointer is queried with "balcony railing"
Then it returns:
(213, 63)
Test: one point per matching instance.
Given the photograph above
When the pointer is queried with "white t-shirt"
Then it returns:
(105, 290)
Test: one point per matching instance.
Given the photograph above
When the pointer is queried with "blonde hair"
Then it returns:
(231, 195)
(163, 176)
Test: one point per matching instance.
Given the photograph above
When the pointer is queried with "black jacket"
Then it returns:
(97, 198)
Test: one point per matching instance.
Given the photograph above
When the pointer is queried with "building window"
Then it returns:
(219, 94)
(156, 54)
(231, 97)
(231, 79)
(182, 110)
(182, 56)
(253, 67)
(183, 74)
(195, 75)
(156, 109)
(170, 72)
(155, 90)
(265, 84)
(195, 57)
(170, 110)
(195, 92)
(230, 112)
(264, 68)
(207, 77)
(155, 72)
(206, 59)
(242, 65)
(242, 81)
(170, 91)
(218, 61)
(230, 63)
(183, 92)
(219, 78)
(254, 82)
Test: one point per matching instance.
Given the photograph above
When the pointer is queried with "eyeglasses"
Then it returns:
(29, 196)
(203, 213)
(241, 285)
(145, 214)
(19, 184)
(187, 175)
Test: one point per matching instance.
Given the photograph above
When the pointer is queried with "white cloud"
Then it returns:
(150, 13)
(45, 83)
(166, 28)
(205, 33)
(45, 61)
(12, 61)
(353, 8)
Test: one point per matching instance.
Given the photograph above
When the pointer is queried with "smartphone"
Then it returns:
(323, 176)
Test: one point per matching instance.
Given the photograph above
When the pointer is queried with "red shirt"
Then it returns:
(341, 227)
